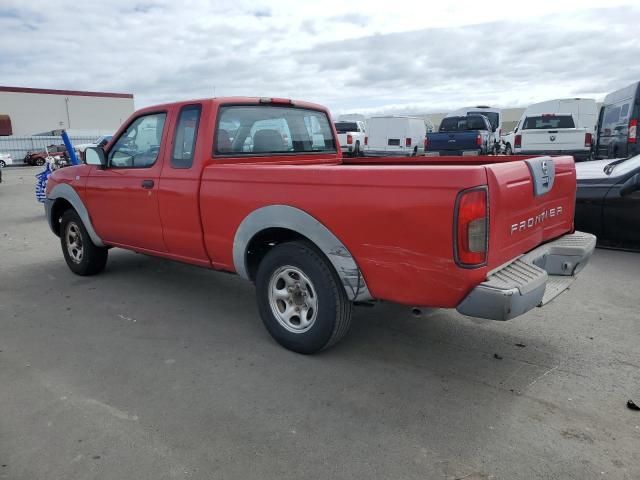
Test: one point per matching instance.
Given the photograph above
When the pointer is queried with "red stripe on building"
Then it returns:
(78, 93)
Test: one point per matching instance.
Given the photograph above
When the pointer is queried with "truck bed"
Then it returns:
(395, 216)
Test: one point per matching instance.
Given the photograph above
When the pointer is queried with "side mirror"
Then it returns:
(95, 156)
(630, 186)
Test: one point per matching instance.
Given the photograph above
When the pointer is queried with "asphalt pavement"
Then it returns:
(157, 370)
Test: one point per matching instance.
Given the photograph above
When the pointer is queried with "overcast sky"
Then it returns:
(353, 56)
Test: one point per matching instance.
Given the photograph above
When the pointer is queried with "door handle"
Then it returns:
(147, 183)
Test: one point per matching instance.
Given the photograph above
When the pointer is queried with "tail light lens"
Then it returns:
(426, 143)
(517, 143)
(349, 139)
(471, 227)
(407, 142)
(633, 131)
(366, 140)
(587, 140)
(479, 140)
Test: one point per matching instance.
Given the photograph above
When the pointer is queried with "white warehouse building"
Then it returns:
(37, 111)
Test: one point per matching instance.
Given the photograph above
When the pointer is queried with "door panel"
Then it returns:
(123, 198)
(621, 217)
(180, 188)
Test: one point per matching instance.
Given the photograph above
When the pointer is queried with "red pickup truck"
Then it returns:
(259, 187)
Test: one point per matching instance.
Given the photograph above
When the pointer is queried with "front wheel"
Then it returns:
(301, 299)
(2, 164)
(83, 257)
(40, 162)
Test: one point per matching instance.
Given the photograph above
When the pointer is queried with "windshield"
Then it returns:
(345, 127)
(623, 166)
(493, 117)
(546, 122)
(458, 124)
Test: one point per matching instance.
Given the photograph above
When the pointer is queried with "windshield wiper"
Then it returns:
(608, 168)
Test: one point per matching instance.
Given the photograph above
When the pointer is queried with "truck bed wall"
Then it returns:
(397, 221)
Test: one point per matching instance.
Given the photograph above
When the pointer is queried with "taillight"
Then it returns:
(479, 140)
(587, 140)
(426, 143)
(366, 140)
(349, 139)
(471, 227)
(517, 143)
(633, 131)
(407, 142)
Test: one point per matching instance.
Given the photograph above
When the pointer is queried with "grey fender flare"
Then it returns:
(291, 218)
(65, 191)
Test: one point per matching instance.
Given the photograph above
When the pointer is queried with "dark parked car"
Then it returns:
(39, 157)
(608, 201)
(464, 135)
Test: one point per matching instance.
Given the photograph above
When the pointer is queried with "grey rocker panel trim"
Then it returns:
(284, 216)
(67, 192)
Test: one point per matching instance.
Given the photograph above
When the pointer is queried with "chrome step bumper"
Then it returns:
(534, 279)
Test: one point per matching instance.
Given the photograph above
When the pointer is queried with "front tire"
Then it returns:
(83, 257)
(2, 164)
(301, 300)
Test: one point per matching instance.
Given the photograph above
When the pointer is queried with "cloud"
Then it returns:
(367, 57)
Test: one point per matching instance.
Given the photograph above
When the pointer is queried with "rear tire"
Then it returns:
(2, 164)
(508, 150)
(356, 150)
(301, 300)
(83, 257)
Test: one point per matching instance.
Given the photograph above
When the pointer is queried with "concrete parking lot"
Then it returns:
(158, 370)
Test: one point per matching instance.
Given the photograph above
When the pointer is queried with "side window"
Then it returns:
(184, 142)
(139, 145)
(624, 111)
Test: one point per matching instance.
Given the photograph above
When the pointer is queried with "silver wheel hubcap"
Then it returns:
(73, 239)
(293, 299)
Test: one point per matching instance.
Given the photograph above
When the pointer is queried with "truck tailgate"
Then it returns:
(520, 218)
(442, 141)
(556, 140)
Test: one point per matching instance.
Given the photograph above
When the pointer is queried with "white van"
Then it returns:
(395, 135)
(494, 115)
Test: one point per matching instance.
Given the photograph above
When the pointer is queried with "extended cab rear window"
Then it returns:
(545, 122)
(267, 129)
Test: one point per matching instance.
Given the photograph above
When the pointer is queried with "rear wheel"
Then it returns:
(2, 164)
(83, 257)
(301, 299)
(508, 150)
(356, 150)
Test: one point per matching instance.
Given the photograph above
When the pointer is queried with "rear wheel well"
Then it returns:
(264, 241)
(59, 207)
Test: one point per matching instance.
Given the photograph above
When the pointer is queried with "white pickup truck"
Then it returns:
(351, 136)
(552, 134)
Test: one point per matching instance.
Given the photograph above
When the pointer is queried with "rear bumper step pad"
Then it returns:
(534, 279)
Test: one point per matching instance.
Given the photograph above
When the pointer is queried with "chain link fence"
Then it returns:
(19, 146)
